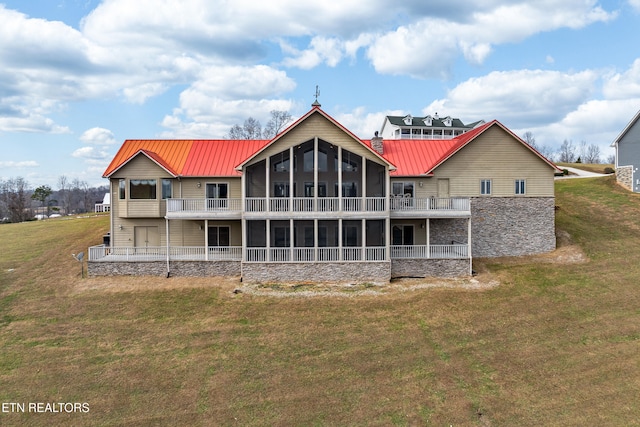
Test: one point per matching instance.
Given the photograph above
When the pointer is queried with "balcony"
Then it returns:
(455, 207)
(204, 208)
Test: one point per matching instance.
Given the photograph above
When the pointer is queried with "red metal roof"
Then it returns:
(189, 157)
(218, 157)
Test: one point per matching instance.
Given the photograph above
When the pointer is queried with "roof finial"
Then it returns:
(317, 94)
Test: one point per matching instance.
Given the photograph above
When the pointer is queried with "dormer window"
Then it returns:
(428, 121)
(408, 120)
(448, 121)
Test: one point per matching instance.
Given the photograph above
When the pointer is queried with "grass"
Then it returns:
(554, 344)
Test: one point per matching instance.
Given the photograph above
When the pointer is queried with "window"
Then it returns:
(122, 188)
(349, 189)
(280, 189)
(166, 189)
(308, 161)
(402, 235)
(485, 187)
(403, 189)
(142, 188)
(280, 162)
(520, 186)
(219, 236)
(217, 191)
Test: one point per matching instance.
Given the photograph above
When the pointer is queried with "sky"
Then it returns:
(78, 77)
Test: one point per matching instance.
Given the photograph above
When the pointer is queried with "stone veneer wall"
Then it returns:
(159, 268)
(512, 226)
(335, 272)
(624, 176)
(430, 268)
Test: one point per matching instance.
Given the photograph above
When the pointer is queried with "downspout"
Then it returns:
(168, 248)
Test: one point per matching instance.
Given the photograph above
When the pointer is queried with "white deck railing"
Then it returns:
(430, 252)
(306, 254)
(315, 254)
(203, 205)
(430, 204)
(320, 204)
(159, 253)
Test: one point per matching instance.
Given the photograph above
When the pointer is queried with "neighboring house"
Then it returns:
(317, 203)
(627, 146)
(105, 206)
(428, 127)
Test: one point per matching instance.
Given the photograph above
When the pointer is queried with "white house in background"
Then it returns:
(427, 127)
(105, 206)
(627, 146)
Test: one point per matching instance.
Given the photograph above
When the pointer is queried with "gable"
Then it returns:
(497, 155)
(141, 166)
(316, 124)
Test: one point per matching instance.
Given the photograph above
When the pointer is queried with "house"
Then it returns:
(428, 127)
(627, 146)
(105, 205)
(317, 203)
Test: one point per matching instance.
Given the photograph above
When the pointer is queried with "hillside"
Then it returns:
(555, 343)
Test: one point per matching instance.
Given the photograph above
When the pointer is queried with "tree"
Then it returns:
(529, 139)
(64, 193)
(41, 194)
(567, 152)
(592, 154)
(14, 199)
(251, 129)
(279, 119)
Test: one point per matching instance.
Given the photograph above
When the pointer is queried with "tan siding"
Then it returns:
(494, 155)
(190, 188)
(141, 167)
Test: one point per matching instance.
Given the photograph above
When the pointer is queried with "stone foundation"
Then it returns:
(624, 176)
(317, 272)
(512, 226)
(159, 268)
(430, 268)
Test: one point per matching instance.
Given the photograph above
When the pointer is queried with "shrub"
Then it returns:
(609, 170)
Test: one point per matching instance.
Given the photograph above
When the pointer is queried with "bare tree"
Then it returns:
(567, 153)
(15, 199)
(64, 194)
(279, 119)
(251, 129)
(529, 139)
(592, 154)
(611, 159)
(582, 152)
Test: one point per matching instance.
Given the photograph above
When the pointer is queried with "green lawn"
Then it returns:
(553, 344)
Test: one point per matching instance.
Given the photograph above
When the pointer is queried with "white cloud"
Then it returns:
(624, 85)
(517, 98)
(91, 154)
(98, 136)
(635, 4)
(22, 164)
(427, 47)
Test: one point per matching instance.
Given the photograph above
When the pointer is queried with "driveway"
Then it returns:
(579, 173)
